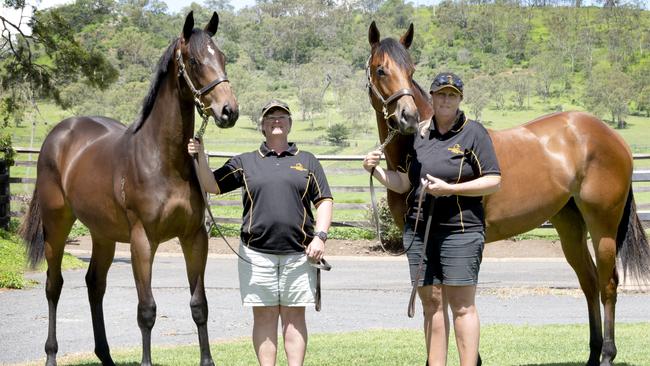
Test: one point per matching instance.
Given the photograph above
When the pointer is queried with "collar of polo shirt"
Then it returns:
(265, 151)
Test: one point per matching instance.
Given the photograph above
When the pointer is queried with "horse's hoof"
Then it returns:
(207, 362)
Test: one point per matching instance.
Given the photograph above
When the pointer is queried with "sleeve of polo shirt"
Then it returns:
(230, 176)
(318, 188)
(484, 153)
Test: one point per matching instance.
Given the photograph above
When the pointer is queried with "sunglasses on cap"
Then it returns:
(445, 80)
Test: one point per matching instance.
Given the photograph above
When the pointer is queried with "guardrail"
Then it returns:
(637, 176)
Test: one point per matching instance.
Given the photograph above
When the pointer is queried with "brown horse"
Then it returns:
(569, 168)
(134, 185)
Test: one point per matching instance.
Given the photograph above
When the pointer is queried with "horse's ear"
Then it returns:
(212, 26)
(407, 38)
(373, 34)
(189, 25)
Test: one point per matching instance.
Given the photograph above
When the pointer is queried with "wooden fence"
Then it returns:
(638, 176)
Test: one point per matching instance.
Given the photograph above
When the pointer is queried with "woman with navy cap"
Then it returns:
(280, 240)
(453, 161)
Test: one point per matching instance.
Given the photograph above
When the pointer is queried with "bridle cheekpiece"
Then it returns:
(372, 90)
(200, 107)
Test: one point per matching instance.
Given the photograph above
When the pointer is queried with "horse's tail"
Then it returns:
(632, 243)
(31, 230)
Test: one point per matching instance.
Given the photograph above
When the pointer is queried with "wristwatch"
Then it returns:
(321, 235)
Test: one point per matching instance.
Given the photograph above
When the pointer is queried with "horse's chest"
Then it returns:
(171, 210)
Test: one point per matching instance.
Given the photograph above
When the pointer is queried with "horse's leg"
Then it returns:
(57, 222)
(100, 262)
(573, 236)
(195, 250)
(142, 253)
(603, 228)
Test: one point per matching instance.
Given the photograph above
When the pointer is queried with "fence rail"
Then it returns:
(637, 176)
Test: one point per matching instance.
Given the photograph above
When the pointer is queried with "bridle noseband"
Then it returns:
(200, 107)
(372, 90)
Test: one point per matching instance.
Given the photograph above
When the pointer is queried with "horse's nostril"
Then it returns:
(227, 111)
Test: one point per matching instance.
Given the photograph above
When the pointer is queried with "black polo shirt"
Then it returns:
(277, 192)
(464, 153)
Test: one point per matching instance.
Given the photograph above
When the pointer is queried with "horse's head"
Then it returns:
(203, 67)
(390, 80)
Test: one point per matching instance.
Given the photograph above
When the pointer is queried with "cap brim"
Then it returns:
(437, 89)
(275, 105)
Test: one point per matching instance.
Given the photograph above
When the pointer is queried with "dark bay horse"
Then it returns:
(133, 185)
(569, 168)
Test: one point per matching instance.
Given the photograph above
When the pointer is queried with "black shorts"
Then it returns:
(452, 259)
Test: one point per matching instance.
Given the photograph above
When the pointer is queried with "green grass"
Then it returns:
(502, 345)
(13, 262)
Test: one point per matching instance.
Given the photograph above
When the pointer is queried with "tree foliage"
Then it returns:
(296, 49)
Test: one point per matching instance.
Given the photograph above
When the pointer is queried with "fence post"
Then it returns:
(5, 197)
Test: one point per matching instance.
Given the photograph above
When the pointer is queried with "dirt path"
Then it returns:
(334, 247)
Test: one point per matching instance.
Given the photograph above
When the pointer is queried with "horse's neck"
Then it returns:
(423, 102)
(169, 126)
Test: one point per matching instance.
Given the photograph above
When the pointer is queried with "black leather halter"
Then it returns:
(385, 102)
(200, 107)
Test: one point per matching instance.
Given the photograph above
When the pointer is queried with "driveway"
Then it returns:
(360, 293)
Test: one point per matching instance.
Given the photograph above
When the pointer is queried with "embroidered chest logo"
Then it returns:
(456, 149)
(298, 167)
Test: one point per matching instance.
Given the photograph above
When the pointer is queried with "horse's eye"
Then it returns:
(381, 72)
(193, 61)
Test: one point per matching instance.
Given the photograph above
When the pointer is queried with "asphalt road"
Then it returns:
(360, 293)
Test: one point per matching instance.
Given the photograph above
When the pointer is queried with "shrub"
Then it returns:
(391, 235)
(7, 152)
(338, 134)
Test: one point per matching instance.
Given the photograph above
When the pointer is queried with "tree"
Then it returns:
(609, 92)
(477, 95)
(548, 68)
(521, 88)
(51, 55)
(309, 81)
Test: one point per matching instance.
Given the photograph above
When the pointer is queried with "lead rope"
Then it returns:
(411, 306)
(323, 264)
(375, 211)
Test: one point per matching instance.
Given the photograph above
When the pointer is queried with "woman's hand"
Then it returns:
(195, 147)
(371, 160)
(315, 250)
(437, 187)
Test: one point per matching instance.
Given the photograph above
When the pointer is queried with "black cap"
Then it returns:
(447, 80)
(274, 103)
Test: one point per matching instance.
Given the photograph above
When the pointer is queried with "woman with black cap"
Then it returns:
(278, 236)
(452, 159)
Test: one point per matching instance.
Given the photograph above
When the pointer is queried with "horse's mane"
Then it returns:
(196, 43)
(159, 76)
(422, 91)
(397, 52)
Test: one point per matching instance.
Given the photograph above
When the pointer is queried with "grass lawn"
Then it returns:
(501, 345)
(13, 262)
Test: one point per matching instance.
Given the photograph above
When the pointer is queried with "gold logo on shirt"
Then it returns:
(456, 149)
(298, 167)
